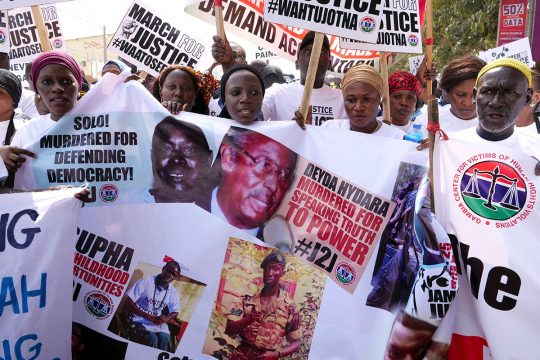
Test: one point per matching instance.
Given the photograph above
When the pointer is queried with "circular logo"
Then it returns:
(98, 304)
(345, 273)
(108, 193)
(2, 37)
(367, 24)
(413, 40)
(57, 43)
(493, 190)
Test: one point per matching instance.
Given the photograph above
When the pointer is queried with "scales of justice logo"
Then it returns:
(493, 190)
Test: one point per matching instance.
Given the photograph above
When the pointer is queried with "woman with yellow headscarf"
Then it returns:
(362, 89)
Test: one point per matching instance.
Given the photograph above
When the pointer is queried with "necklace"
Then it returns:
(154, 308)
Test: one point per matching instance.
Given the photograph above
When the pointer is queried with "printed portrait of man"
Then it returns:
(409, 339)
(264, 320)
(255, 173)
(181, 164)
(145, 303)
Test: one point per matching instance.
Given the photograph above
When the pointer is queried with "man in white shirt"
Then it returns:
(146, 300)
(282, 100)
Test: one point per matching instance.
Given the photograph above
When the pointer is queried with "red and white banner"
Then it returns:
(486, 198)
(512, 21)
(245, 18)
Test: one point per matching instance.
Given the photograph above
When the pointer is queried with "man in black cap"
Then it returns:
(10, 94)
(264, 319)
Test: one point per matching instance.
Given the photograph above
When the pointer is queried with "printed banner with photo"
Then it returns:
(157, 179)
(487, 202)
(23, 34)
(151, 41)
(358, 20)
(401, 30)
(35, 266)
(245, 18)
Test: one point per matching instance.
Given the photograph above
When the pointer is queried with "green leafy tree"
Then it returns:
(463, 26)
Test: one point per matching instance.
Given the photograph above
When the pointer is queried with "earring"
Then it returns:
(532, 104)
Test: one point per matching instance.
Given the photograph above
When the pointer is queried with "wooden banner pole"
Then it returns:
(310, 76)
(386, 96)
(433, 106)
(41, 29)
(218, 11)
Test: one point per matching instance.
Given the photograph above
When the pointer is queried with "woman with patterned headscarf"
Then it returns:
(404, 89)
(362, 89)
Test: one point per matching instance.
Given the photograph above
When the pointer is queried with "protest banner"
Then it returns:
(359, 20)
(245, 18)
(12, 4)
(150, 41)
(262, 54)
(25, 44)
(400, 32)
(414, 63)
(512, 21)
(519, 49)
(4, 32)
(19, 70)
(268, 181)
(486, 200)
(36, 273)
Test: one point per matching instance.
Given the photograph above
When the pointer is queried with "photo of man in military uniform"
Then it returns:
(263, 320)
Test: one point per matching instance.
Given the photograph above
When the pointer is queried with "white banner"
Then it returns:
(262, 54)
(486, 199)
(414, 63)
(401, 30)
(358, 20)
(519, 49)
(24, 39)
(200, 190)
(151, 41)
(245, 19)
(12, 4)
(35, 273)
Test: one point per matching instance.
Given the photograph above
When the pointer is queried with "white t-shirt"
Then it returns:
(529, 129)
(3, 171)
(27, 104)
(448, 121)
(3, 131)
(214, 107)
(282, 100)
(152, 301)
(523, 142)
(385, 130)
(403, 128)
(32, 130)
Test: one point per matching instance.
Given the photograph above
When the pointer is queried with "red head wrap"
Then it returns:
(402, 80)
(59, 58)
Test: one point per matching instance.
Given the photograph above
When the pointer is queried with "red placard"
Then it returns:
(512, 21)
